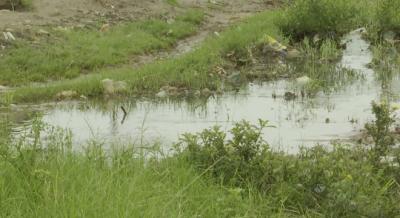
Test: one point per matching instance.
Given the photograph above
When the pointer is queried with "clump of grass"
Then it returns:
(48, 179)
(84, 51)
(324, 50)
(380, 130)
(310, 17)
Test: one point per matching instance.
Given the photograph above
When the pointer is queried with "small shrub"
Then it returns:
(236, 161)
(379, 130)
(309, 17)
(339, 182)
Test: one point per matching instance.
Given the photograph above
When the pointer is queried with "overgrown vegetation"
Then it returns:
(318, 182)
(332, 18)
(310, 17)
(212, 174)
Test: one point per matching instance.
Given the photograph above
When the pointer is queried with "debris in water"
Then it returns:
(272, 45)
(290, 96)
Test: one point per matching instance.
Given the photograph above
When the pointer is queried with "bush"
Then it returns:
(309, 17)
(339, 182)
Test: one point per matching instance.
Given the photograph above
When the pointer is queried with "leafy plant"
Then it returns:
(379, 129)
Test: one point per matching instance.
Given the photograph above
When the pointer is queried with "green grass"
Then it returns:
(192, 70)
(210, 176)
(76, 52)
(333, 18)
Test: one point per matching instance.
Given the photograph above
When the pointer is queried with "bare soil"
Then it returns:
(81, 12)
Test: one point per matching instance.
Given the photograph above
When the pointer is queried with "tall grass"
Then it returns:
(212, 174)
(332, 18)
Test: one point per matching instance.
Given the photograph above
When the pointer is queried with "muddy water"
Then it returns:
(300, 122)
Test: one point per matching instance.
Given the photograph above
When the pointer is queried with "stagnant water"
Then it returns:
(300, 122)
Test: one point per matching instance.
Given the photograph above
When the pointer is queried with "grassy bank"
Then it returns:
(70, 53)
(192, 70)
(212, 174)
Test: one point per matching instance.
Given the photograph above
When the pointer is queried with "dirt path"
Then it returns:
(77, 12)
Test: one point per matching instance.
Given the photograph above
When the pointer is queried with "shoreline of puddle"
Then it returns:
(300, 122)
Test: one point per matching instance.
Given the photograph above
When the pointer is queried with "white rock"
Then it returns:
(162, 94)
(303, 80)
(108, 86)
(3, 88)
(111, 87)
(43, 32)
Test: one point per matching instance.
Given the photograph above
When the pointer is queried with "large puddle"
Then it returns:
(335, 115)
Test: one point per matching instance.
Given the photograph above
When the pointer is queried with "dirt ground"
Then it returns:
(84, 12)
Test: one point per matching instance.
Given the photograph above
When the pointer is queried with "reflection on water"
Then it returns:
(303, 121)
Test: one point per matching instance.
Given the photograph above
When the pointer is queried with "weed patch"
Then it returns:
(315, 181)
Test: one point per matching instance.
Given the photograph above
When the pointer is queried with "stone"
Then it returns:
(293, 54)
(111, 87)
(206, 92)
(66, 95)
(105, 27)
(3, 88)
(108, 86)
(303, 80)
(43, 32)
(162, 94)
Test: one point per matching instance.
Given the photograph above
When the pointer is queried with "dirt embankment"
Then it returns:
(79, 12)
